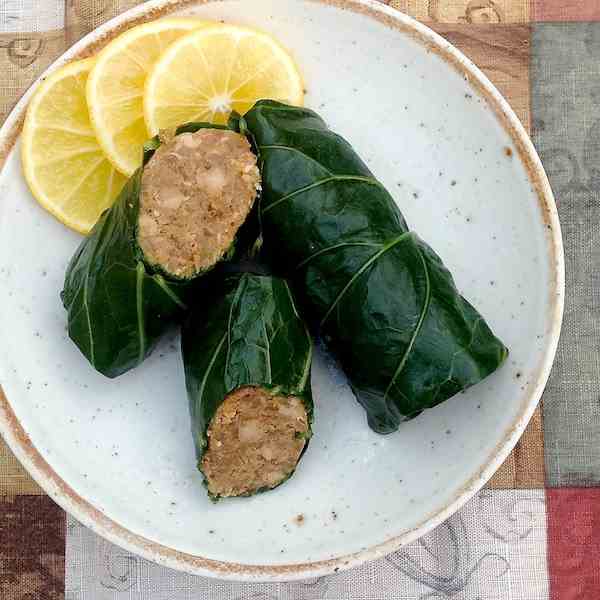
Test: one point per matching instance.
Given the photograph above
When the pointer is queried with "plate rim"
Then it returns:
(90, 516)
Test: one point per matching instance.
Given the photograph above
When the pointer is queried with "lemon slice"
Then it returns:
(64, 166)
(207, 73)
(115, 87)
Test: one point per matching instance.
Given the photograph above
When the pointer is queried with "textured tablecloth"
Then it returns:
(534, 532)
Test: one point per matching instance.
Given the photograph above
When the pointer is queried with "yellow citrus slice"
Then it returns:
(115, 87)
(64, 166)
(207, 73)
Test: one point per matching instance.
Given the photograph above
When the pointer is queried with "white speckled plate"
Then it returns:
(118, 454)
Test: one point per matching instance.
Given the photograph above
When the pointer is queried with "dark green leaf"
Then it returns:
(117, 309)
(245, 331)
(385, 303)
(118, 306)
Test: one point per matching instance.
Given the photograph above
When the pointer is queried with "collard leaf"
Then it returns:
(117, 309)
(243, 331)
(383, 300)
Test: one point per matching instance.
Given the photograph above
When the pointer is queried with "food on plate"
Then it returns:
(117, 308)
(382, 299)
(64, 166)
(247, 358)
(206, 74)
(197, 190)
(115, 87)
(127, 281)
(96, 113)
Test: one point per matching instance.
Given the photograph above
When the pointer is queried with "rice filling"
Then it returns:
(255, 440)
(196, 192)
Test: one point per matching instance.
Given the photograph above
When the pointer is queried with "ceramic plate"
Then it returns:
(118, 454)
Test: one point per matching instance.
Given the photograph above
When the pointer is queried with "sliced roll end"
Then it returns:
(255, 441)
(196, 192)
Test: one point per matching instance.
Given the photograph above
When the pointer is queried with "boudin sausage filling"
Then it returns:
(255, 440)
(196, 192)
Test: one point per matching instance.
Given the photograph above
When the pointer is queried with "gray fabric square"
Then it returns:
(565, 76)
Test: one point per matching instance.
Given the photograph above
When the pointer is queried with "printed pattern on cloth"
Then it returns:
(493, 549)
(32, 548)
(466, 11)
(566, 130)
(13, 477)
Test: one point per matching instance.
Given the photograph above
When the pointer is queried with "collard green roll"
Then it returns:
(175, 219)
(117, 309)
(247, 357)
(383, 300)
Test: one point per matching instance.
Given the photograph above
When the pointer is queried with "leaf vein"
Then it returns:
(139, 306)
(334, 247)
(320, 182)
(235, 300)
(418, 326)
(267, 352)
(162, 284)
(210, 366)
(297, 151)
(360, 271)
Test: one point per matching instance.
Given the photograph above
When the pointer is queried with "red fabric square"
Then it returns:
(566, 10)
(574, 543)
